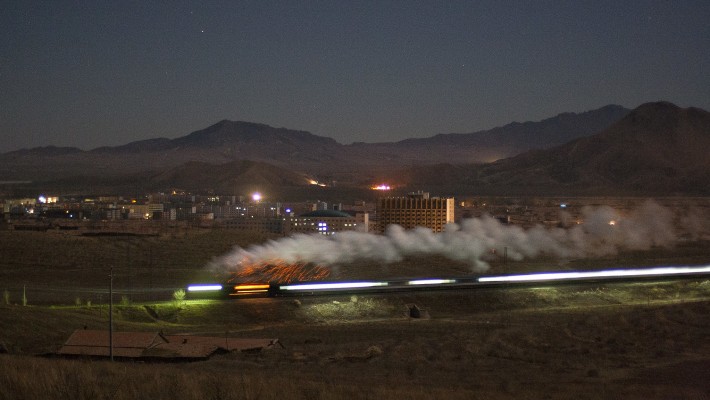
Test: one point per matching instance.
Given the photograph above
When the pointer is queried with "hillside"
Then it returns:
(658, 148)
(233, 177)
(493, 144)
(228, 141)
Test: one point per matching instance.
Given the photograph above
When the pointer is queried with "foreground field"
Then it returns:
(631, 341)
(59, 268)
(612, 341)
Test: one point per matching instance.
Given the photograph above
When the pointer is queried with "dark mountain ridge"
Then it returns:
(658, 148)
(493, 144)
(231, 140)
(547, 132)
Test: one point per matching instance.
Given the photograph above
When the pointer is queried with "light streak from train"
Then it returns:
(204, 288)
(332, 286)
(472, 282)
(250, 288)
(431, 281)
(605, 274)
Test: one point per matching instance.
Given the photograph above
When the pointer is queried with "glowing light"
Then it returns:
(381, 187)
(612, 222)
(256, 197)
(245, 292)
(252, 286)
(332, 286)
(431, 281)
(204, 288)
(42, 199)
(563, 276)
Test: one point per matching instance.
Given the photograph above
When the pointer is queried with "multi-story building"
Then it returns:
(144, 211)
(259, 224)
(416, 209)
(325, 222)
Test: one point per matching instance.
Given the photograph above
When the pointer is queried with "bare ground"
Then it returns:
(630, 341)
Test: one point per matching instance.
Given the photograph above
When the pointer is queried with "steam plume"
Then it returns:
(474, 240)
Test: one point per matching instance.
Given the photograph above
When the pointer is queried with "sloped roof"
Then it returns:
(96, 338)
(87, 342)
(179, 350)
(147, 345)
(227, 343)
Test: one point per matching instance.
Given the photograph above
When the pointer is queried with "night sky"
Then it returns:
(94, 73)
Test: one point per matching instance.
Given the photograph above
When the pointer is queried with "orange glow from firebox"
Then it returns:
(277, 271)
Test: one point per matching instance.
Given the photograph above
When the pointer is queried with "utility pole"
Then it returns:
(110, 314)
(150, 273)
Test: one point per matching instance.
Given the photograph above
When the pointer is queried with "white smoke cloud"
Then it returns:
(475, 240)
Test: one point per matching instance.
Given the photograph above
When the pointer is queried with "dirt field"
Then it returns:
(612, 341)
(640, 341)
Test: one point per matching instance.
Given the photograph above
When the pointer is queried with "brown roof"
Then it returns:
(227, 343)
(100, 351)
(95, 338)
(179, 350)
(155, 345)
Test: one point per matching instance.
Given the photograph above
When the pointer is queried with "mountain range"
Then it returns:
(655, 148)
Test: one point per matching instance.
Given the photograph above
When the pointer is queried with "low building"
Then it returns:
(265, 225)
(147, 346)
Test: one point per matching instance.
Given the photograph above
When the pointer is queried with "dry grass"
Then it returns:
(642, 341)
(77, 380)
(57, 267)
(596, 342)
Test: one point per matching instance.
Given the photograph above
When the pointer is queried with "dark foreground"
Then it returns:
(613, 341)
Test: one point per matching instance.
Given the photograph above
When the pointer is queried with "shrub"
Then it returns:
(178, 297)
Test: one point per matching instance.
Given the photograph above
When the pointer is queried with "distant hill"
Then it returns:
(658, 148)
(228, 141)
(236, 140)
(230, 178)
(493, 144)
(47, 151)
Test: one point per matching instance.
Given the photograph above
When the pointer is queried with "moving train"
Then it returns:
(251, 289)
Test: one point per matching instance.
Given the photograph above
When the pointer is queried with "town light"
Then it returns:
(381, 187)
